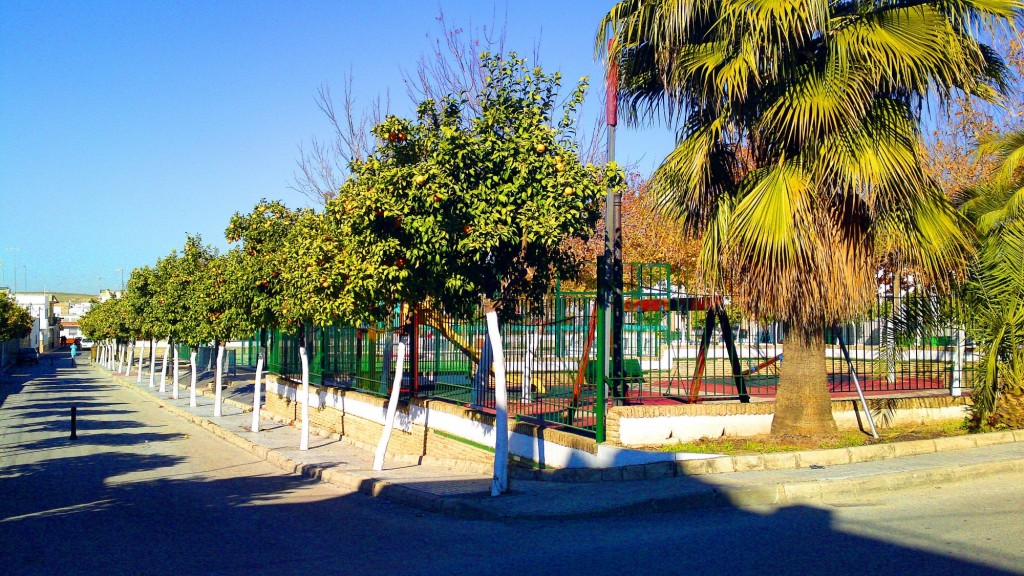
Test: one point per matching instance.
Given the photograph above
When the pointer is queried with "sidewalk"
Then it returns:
(467, 494)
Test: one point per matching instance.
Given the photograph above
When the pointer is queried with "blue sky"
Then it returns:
(126, 125)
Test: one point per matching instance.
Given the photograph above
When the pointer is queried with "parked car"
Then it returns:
(86, 343)
(28, 356)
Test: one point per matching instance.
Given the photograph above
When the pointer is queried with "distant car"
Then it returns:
(28, 356)
(86, 343)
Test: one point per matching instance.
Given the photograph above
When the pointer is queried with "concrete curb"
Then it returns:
(772, 461)
(743, 496)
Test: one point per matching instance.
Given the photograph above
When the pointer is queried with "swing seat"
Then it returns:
(632, 373)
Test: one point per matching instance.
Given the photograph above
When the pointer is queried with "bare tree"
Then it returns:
(323, 166)
(453, 67)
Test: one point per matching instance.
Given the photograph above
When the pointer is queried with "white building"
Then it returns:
(45, 334)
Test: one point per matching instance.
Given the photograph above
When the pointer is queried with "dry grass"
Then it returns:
(769, 444)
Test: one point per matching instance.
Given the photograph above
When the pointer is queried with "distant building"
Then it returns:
(69, 313)
(45, 331)
(108, 294)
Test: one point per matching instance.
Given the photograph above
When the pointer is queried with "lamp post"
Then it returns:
(121, 270)
(613, 239)
(15, 250)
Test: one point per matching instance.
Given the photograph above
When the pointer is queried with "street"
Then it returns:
(142, 492)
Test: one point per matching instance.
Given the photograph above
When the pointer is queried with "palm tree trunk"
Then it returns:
(803, 406)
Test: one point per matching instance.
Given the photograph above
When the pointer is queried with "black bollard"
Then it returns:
(74, 421)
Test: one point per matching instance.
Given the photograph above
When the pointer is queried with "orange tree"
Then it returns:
(138, 301)
(107, 321)
(256, 280)
(185, 287)
(15, 321)
(256, 277)
(460, 208)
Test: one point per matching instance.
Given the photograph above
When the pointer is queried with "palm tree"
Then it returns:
(999, 199)
(992, 305)
(797, 163)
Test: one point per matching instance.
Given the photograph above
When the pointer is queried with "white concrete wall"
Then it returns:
(667, 430)
(522, 445)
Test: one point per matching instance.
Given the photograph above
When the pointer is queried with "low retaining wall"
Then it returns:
(666, 425)
(448, 433)
(427, 428)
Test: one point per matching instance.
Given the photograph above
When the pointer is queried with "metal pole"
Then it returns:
(956, 384)
(856, 382)
(613, 232)
(74, 421)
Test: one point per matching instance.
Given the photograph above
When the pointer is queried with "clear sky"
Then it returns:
(126, 125)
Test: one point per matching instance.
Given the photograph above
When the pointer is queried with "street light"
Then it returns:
(15, 250)
(121, 270)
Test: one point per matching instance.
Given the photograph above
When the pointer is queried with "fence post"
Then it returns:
(599, 380)
(956, 382)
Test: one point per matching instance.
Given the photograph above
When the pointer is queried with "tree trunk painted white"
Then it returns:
(217, 382)
(389, 419)
(192, 390)
(304, 433)
(152, 363)
(138, 377)
(120, 358)
(256, 393)
(131, 358)
(163, 368)
(174, 389)
(499, 483)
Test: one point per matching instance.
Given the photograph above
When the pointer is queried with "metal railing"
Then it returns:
(676, 348)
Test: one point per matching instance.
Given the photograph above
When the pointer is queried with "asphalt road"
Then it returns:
(141, 492)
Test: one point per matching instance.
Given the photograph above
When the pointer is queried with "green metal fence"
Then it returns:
(549, 350)
(677, 347)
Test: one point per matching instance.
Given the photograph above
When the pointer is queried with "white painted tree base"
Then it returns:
(389, 420)
(499, 483)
